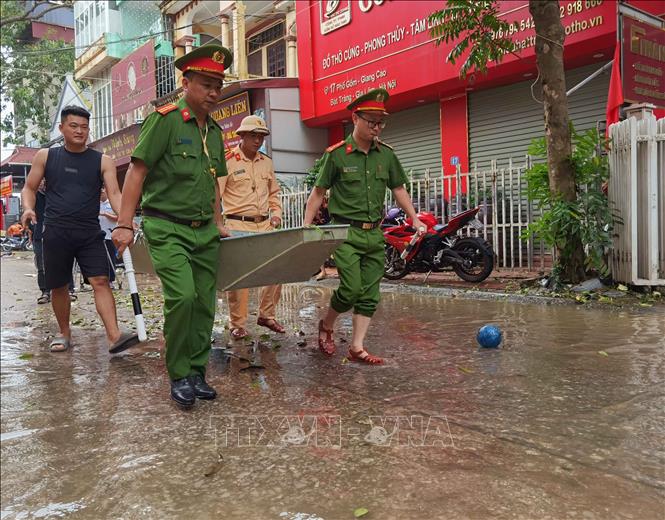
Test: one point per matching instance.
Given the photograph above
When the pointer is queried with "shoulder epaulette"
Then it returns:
(165, 109)
(384, 144)
(334, 146)
(228, 155)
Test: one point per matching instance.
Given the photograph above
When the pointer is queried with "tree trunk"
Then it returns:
(550, 36)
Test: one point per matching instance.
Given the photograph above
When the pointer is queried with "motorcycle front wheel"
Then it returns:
(29, 246)
(478, 256)
(394, 267)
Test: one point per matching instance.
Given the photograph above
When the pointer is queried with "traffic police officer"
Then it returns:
(250, 196)
(358, 170)
(176, 163)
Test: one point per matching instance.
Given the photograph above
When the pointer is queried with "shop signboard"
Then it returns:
(228, 114)
(643, 62)
(347, 48)
(133, 86)
(119, 145)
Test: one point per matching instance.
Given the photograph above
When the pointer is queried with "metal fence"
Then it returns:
(637, 192)
(499, 191)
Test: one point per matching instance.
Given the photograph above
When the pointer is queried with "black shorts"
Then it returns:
(63, 245)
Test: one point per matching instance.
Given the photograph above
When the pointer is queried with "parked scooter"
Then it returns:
(19, 243)
(439, 248)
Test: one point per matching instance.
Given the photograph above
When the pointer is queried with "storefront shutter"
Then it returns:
(416, 138)
(504, 120)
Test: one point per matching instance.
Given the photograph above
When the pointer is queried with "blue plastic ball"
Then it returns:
(489, 336)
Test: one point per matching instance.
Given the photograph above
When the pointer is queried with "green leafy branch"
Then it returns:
(477, 28)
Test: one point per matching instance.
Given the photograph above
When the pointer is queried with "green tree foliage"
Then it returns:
(476, 27)
(313, 173)
(589, 219)
(31, 74)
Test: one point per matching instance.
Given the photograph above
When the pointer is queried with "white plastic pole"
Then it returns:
(410, 246)
(134, 291)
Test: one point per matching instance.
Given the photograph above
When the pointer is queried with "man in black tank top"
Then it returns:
(74, 177)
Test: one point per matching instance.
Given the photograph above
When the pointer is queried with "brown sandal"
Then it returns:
(364, 357)
(272, 324)
(327, 346)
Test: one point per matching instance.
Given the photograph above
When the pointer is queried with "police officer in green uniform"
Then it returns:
(358, 170)
(175, 166)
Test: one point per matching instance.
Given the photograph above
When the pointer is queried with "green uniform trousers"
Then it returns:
(360, 264)
(185, 259)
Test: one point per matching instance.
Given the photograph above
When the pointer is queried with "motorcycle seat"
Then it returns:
(440, 227)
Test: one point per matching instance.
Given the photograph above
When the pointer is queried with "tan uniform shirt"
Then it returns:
(251, 187)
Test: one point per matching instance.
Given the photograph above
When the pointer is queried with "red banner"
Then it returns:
(643, 62)
(133, 86)
(346, 48)
(228, 115)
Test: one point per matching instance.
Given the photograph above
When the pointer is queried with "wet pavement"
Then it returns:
(565, 420)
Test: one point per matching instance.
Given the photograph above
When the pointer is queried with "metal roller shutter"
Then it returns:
(416, 138)
(504, 120)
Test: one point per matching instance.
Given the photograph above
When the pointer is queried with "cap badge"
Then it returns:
(379, 97)
(217, 57)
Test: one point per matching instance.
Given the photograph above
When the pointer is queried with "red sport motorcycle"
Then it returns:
(439, 248)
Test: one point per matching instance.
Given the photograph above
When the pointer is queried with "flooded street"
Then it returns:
(565, 420)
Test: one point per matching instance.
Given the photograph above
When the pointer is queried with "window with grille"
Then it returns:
(168, 27)
(165, 76)
(101, 106)
(266, 52)
(277, 59)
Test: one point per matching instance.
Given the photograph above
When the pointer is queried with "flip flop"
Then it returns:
(126, 340)
(44, 298)
(60, 344)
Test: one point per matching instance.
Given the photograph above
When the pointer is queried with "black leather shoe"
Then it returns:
(182, 392)
(202, 390)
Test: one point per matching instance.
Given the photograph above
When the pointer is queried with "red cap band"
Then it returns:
(204, 64)
(370, 105)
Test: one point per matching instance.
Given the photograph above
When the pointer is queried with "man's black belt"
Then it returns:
(149, 212)
(248, 218)
(357, 223)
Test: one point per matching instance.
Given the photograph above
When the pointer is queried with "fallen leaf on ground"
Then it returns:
(26, 355)
(361, 511)
(603, 353)
(215, 467)
(622, 287)
(465, 370)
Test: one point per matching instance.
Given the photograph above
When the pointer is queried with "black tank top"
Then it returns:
(73, 185)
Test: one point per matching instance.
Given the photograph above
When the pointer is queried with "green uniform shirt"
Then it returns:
(359, 180)
(181, 178)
